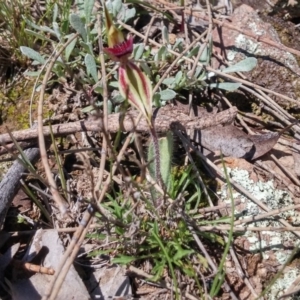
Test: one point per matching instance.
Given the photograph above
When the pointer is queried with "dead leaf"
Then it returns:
(228, 139)
(263, 143)
(233, 142)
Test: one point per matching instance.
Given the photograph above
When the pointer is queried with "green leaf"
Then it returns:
(91, 66)
(158, 270)
(32, 74)
(167, 94)
(40, 28)
(123, 259)
(32, 54)
(116, 7)
(197, 71)
(88, 8)
(78, 25)
(194, 51)
(47, 29)
(57, 30)
(161, 54)
(178, 44)
(138, 51)
(88, 109)
(55, 12)
(98, 90)
(181, 253)
(166, 146)
(205, 55)
(98, 253)
(114, 84)
(70, 47)
(242, 66)
(165, 35)
(178, 77)
(169, 81)
(156, 100)
(146, 69)
(87, 47)
(38, 35)
(227, 86)
(129, 14)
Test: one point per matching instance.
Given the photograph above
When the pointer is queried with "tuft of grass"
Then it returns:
(12, 30)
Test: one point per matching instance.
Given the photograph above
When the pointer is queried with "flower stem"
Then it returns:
(156, 155)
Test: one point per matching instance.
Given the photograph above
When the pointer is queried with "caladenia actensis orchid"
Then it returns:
(134, 85)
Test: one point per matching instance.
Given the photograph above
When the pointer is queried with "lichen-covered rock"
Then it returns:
(277, 70)
(273, 247)
(287, 9)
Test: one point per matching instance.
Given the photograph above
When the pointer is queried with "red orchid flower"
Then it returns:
(134, 85)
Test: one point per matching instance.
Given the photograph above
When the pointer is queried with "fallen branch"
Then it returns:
(166, 118)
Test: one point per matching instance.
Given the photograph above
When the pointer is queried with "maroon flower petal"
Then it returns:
(122, 49)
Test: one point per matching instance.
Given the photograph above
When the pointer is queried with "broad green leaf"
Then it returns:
(156, 100)
(166, 147)
(178, 44)
(194, 51)
(91, 66)
(88, 8)
(32, 54)
(129, 14)
(178, 77)
(167, 94)
(109, 5)
(116, 7)
(57, 30)
(161, 54)
(146, 69)
(205, 55)
(109, 107)
(116, 100)
(197, 71)
(244, 65)
(80, 7)
(138, 51)
(227, 86)
(78, 25)
(87, 47)
(70, 47)
(98, 90)
(169, 81)
(114, 84)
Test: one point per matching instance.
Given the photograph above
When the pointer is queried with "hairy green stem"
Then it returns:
(156, 155)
